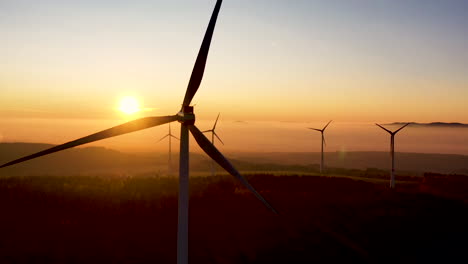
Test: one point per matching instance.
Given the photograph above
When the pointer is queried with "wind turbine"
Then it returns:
(186, 118)
(213, 134)
(392, 152)
(169, 162)
(323, 143)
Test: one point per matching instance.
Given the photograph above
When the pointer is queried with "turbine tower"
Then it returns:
(169, 162)
(186, 118)
(213, 134)
(323, 143)
(392, 152)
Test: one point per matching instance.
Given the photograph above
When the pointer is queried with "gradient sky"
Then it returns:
(294, 61)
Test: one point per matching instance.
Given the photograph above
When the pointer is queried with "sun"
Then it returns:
(129, 105)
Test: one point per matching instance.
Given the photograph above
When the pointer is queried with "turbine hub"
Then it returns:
(186, 115)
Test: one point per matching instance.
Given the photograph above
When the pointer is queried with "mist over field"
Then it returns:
(105, 161)
(249, 136)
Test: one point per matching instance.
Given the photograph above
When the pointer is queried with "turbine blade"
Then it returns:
(216, 122)
(327, 124)
(323, 138)
(175, 137)
(384, 128)
(315, 129)
(128, 127)
(218, 138)
(210, 130)
(401, 128)
(214, 153)
(199, 67)
(164, 137)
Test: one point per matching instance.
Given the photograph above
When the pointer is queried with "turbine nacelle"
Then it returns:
(186, 115)
(392, 133)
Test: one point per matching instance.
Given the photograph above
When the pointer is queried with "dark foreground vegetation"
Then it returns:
(322, 220)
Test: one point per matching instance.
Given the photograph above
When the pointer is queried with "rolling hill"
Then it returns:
(99, 160)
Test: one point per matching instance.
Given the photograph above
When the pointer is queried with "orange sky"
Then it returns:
(350, 61)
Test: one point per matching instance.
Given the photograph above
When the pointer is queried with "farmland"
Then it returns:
(76, 219)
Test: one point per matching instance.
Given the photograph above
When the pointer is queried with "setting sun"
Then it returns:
(129, 105)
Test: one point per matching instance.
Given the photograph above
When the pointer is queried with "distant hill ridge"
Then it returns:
(82, 161)
(100, 160)
(74, 161)
(432, 124)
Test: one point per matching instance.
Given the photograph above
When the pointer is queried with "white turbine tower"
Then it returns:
(187, 119)
(392, 152)
(213, 134)
(323, 143)
(169, 162)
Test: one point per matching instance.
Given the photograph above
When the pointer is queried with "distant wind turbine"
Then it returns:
(169, 162)
(392, 152)
(187, 119)
(213, 134)
(323, 143)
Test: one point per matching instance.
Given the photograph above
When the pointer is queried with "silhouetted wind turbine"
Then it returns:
(187, 119)
(213, 134)
(323, 143)
(170, 136)
(392, 152)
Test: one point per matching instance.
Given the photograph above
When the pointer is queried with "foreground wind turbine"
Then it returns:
(169, 162)
(323, 143)
(213, 134)
(392, 152)
(187, 119)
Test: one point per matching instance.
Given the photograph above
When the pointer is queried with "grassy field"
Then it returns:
(77, 219)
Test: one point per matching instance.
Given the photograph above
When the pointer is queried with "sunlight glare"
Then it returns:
(129, 105)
